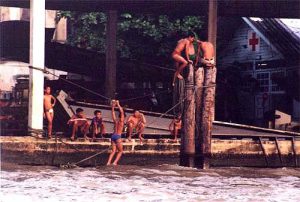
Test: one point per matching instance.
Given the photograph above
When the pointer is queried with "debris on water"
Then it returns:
(68, 166)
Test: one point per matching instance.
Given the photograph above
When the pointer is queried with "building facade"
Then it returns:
(266, 54)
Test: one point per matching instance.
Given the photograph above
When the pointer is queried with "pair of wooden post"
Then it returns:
(199, 107)
(198, 116)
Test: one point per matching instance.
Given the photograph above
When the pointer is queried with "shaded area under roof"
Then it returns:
(72, 59)
(241, 8)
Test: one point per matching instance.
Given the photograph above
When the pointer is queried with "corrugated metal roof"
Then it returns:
(280, 36)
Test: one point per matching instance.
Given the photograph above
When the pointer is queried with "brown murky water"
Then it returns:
(147, 183)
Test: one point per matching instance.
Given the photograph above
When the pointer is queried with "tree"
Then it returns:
(142, 37)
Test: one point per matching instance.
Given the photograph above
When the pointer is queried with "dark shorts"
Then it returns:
(115, 137)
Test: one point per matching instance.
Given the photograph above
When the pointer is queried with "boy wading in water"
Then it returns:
(48, 109)
(116, 141)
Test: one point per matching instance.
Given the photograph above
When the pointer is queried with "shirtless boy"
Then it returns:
(48, 109)
(136, 121)
(97, 125)
(182, 59)
(207, 54)
(116, 141)
(79, 121)
(175, 126)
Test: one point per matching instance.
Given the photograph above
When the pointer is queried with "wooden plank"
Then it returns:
(294, 151)
(264, 152)
(279, 152)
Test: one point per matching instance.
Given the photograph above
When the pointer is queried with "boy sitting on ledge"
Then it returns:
(79, 121)
(97, 125)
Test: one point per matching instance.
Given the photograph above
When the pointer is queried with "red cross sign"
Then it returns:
(253, 41)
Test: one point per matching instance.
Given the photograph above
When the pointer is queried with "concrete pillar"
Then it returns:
(37, 55)
(111, 53)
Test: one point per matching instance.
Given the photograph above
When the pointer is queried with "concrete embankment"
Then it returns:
(225, 152)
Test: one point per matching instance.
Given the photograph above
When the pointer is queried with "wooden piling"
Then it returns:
(212, 32)
(178, 96)
(111, 54)
(206, 105)
(207, 115)
(199, 79)
(187, 152)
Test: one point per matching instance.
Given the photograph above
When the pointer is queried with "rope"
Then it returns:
(73, 165)
(195, 88)
(166, 112)
(75, 84)
(159, 67)
(143, 96)
(94, 155)
(68, 165)
(102, 96)
(90, 91)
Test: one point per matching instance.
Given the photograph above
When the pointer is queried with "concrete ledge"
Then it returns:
(33, 151)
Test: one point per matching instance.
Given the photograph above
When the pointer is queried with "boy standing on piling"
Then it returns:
(48, 109)
(116, 141)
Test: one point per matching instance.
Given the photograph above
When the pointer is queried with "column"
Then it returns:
(37, 56)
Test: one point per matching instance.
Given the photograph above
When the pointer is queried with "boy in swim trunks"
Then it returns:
(188, 57)
(116, 141)
(48, 108)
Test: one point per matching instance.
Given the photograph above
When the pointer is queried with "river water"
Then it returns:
(146, 183)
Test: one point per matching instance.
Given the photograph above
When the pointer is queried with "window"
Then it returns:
(268, 81)
(263, 81)
(275, 78)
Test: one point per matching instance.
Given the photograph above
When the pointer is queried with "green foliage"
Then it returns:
(139, 36)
